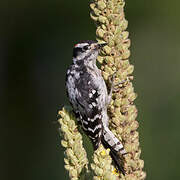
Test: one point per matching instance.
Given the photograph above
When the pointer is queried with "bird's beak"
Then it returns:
(101, 45)
(98, 46)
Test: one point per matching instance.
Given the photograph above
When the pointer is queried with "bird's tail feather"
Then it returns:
(116, 148)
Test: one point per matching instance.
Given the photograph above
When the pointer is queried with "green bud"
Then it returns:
(100, 32)
(102, 19)
(101, 5)
(107, 50)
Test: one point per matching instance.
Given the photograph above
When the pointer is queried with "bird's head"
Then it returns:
(86, 50)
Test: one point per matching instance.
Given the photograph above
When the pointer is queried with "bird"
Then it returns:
(88, 95)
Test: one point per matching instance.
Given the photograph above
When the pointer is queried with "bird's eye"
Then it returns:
(85, 48)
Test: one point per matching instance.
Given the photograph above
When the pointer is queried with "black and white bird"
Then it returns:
(88, 95)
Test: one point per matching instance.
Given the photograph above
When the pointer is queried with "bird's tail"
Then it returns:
(116, 148)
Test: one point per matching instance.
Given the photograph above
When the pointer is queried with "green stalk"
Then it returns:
(75, 159)
(111, 26)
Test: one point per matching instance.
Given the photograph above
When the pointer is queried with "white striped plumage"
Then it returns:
(89, 98)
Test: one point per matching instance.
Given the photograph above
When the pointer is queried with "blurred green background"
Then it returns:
(36, 40)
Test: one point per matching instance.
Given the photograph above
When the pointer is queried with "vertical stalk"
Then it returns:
(111, 26)
(75, 159)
